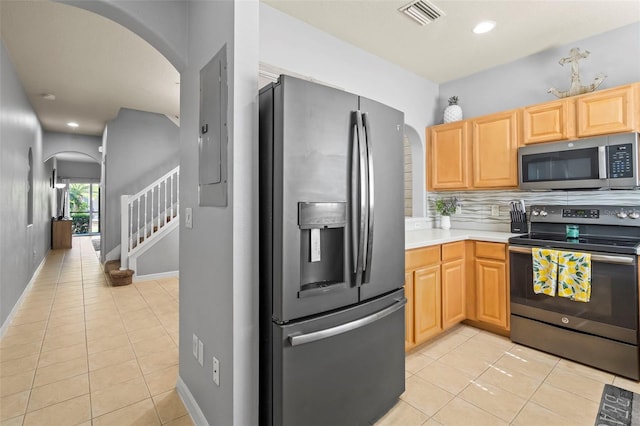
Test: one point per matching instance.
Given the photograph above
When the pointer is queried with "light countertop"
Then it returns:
(416, 238)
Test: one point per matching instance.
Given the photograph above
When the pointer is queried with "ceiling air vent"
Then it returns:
(421, 11)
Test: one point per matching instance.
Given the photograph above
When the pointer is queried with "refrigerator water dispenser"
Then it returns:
(322, 227)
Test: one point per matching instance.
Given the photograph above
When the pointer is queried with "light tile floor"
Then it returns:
(80, 352)
(472, 377)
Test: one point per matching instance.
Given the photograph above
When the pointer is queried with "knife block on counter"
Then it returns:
(520, 226)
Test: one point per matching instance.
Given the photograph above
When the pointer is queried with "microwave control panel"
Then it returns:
(621, 161)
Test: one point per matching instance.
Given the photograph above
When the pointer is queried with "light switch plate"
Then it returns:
(188, 218)
(195, 346)
(201, 353)
(216, 371)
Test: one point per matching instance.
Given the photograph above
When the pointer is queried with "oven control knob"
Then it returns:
(543, 213)
(621, 215)
(634, 215)
(535, 212)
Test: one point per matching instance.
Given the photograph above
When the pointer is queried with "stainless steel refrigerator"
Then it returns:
(331, 256)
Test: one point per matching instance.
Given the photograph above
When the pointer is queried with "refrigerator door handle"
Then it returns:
(363, 189)
(301, 339)
(369, 246)
(355, 193)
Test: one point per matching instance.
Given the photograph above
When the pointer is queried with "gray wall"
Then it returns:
(218, 265)
(162, 257)
(526, 81)
(55, 143)
(22, 247)
(295, 46)
(218, 257)
(78, 171)
(140, 147)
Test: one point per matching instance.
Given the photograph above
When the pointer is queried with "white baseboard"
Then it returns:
(190, 404)
(158, 276)
(6, 323)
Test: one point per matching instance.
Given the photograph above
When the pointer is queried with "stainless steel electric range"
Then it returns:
(603, 332)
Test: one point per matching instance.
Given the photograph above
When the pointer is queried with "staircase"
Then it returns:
(145, 218)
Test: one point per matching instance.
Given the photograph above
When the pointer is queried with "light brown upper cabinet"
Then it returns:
(495, 150)
(548, 122)
(607, 111)
(479, 153)
(448, 156)
(482, 152)
(599, 113)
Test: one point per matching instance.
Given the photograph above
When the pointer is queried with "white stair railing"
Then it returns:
(145, 215)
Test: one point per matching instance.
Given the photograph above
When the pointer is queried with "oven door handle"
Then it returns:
(603, 258)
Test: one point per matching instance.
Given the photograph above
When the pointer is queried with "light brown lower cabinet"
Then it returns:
(453, 293)
(61, 234)
(491, 285)
(435, 289)
(409, 340)
(450, 283)
(427, 292)
(453, 284)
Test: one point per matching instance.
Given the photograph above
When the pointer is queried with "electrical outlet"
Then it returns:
(458, 209)
(195, 346)
(495, 211)
(201, 353)
(216, 371)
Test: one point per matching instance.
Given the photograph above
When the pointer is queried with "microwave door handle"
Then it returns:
(602, 162)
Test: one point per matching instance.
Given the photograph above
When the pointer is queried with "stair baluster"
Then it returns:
(149, 224)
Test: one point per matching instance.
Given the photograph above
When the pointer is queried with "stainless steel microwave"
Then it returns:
(595, 163)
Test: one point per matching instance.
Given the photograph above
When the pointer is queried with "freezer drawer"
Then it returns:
(344, 368)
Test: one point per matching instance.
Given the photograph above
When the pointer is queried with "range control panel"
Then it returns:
(594, 214)
(581, 213)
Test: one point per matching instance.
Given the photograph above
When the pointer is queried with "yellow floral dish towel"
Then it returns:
(545, 270)
(574, 275)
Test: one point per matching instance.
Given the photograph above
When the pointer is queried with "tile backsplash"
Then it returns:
(476, 205)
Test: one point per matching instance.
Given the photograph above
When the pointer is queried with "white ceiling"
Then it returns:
(447, 49)
(94, 66)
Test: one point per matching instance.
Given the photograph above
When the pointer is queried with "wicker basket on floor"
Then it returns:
(119, 277)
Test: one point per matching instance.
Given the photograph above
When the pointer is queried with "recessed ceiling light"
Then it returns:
(484, 27)
(72, 124)
(48, 96)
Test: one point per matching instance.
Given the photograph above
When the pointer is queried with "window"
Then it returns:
(84, 208)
